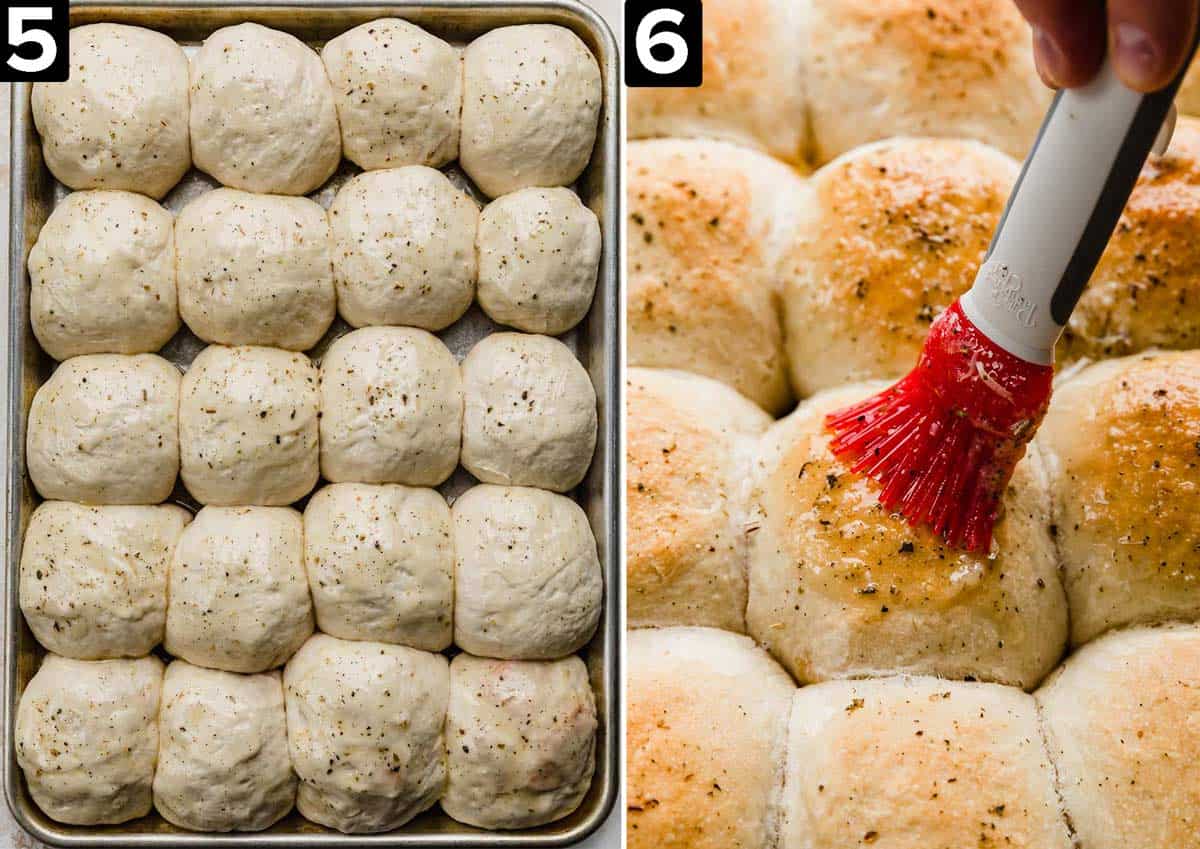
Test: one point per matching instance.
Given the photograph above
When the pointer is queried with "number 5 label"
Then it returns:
(663, 43)
(35, 41)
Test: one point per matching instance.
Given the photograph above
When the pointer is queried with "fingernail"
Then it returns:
(1136, 56)
(1051, 63)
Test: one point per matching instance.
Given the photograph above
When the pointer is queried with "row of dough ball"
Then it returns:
(508, 572)
(738, 523)
(780, 286)
(112, 272)
(1103, 756)
(812, 79)
(359, 736)
(258, 109)
(259, 426)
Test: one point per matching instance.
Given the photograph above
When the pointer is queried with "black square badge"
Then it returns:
(35, 41)
(664, 43)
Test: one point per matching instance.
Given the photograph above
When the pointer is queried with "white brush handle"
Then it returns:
(1062, 211)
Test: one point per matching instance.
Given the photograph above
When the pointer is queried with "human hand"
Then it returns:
(1148, 39)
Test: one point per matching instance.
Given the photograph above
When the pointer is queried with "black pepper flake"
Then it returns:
(907, 547)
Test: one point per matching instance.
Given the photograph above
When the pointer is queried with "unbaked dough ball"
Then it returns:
(889, 236)
(86, 737)
(521, 741)
(530, 416)
(1120, 441)
(255, 269)
(955, 68)
(380, 563)
(403, 248)
(391, 408)
(263, 117)
(104, 429)
(238, 594)
(527, 581)
(1146, 290)
(398, 92)
(102, 276)
(689, 443)
(121, 120)
(248, 426)
(707, 732)
(914, 763)
(1120, 721)
(93, 580)
(753, 89)
(708, 225)
(539, 252)
(841, 588)
(223, 762)
(531, 104)
(365, 731)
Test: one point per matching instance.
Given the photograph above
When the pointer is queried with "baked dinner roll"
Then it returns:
(1120, 719)
(248, 426)
(93, 580)
(121, 119)
(102, 276)
(840, 588)
(365, 731)
(403, 248)
(530, 416)
(706, 735)
(1120, 444)
(262, 112)
(902, 763)
(539, 251)
(87, 738)
(919, 67)
(391, 408)
(398, 92)
(255, 269)
(104, 429)
(531, 104)
(380, 563)
(521, 741)
(238, 594)
(1145, 291)
(223, 761)
(707, 227)
(889, 235)
(688, 447)
(753, 90)
(527, 581)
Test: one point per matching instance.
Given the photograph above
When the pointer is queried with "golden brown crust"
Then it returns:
(1145, 293)
(918, 763)
(753, 87)
(839, 587)
(891, 235)
(1122, 729)
(955, 68)
(705, 222)
(707, 717)
(685, 496)
(1123, 443)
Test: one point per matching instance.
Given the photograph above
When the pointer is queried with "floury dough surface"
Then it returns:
(87, 738)
(102, 276)
(93, 580)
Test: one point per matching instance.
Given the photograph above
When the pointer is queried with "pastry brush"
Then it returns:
(944, 440)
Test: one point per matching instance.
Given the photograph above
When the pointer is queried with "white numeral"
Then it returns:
(18, 35)
(646, 38)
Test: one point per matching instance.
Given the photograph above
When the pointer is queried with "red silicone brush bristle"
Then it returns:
(943, 441)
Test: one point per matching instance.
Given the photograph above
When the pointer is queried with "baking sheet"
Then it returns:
(595, 341)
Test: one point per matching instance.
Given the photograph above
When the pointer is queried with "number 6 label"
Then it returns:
(664, 42)
(35, 41)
